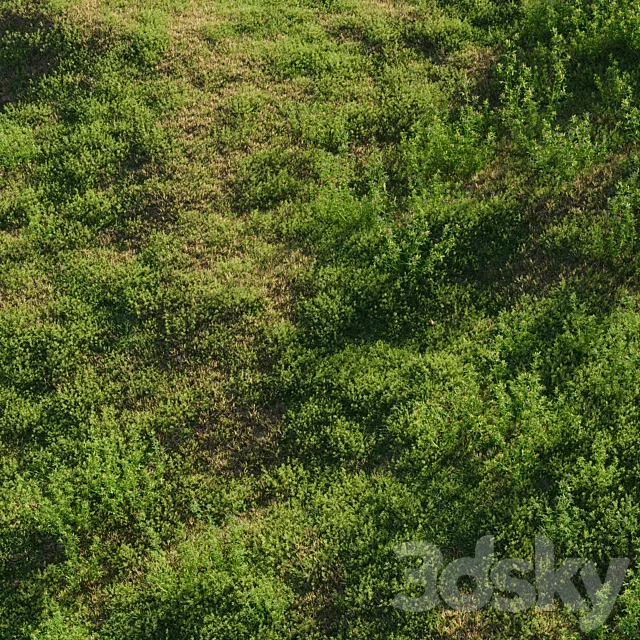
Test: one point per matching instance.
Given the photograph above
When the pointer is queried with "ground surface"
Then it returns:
(286, 284)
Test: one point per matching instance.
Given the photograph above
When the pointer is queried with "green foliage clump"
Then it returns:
(285, 285)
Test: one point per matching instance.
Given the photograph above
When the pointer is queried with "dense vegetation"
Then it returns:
(285, 284)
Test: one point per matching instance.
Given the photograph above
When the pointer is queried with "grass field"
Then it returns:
(287, 283)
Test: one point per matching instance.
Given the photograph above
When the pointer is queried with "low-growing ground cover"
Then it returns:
(284, 285)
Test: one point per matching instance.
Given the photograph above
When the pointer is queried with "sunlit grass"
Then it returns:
(283, 285)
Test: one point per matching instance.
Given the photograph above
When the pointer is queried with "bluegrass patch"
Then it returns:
(283, 286)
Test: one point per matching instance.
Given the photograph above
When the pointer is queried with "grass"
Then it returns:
(284, 285)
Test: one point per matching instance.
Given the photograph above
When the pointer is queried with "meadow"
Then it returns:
(287, 283)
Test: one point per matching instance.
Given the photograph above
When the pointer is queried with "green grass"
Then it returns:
(286, 284)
